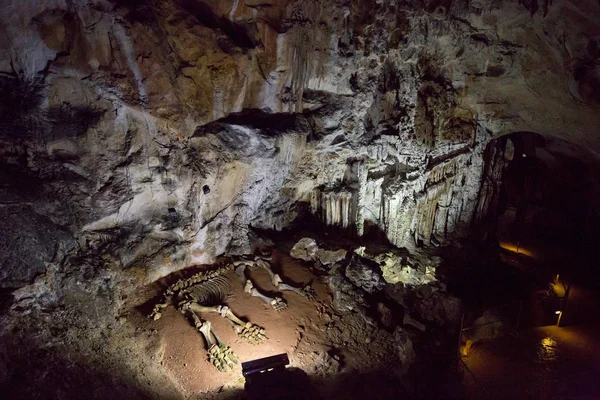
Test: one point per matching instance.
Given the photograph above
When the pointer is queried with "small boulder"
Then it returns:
(306, 249)
(365, 274)
(327, 257)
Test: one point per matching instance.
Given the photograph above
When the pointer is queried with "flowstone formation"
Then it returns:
(138, 138)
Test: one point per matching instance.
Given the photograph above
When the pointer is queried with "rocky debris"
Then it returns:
(426, 304)
(327, 257)
(407, 320)
(438, 306)
(323, 363)
(406, 273)
(63, 328)
(364, 274)
(350, 346)
(417, 306)
(307, 249)
(411, 269)
(405, 349)
(420, 301)
(385, 315)
(346, 296)
(412, 275)
(28, 241)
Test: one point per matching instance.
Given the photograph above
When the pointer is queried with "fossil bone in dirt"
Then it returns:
(206, 292)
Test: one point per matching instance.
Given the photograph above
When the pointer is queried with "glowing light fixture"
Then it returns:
(560, 314)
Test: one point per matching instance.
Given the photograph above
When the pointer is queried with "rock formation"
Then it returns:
(307, 249)
(140, 137)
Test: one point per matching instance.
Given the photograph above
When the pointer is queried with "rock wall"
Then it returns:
(141, 137)
(184, 122)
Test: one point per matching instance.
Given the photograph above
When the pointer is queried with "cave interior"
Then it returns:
(292, 199)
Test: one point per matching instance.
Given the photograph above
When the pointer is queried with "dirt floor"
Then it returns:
(317, 339)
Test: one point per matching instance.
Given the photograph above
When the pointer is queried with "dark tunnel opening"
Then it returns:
(547, 204)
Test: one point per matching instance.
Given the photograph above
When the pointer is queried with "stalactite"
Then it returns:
(291, 147)
(337, 209)
(398, 215)
(440, 224)
(442, 171)
(315, 203)
(326, 207)
(334, 210)
(436, 203)
(346, 209)
(492, 179)
(360, 200)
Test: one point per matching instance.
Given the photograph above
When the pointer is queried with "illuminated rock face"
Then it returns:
(307, 249)
(159, 133)
(141, 137)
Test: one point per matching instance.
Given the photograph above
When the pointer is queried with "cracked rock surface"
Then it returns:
(138, 138)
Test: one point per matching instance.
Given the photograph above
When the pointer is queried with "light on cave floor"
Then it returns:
(516, 248)
(548, 350)
(548, 342)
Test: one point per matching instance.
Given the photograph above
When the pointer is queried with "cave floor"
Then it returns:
(316, 338)
(542, 363)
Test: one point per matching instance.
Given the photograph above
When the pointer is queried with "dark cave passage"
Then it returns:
(538, 329)
(547, 204)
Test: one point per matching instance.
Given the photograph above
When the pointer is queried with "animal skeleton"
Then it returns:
(206, 291)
